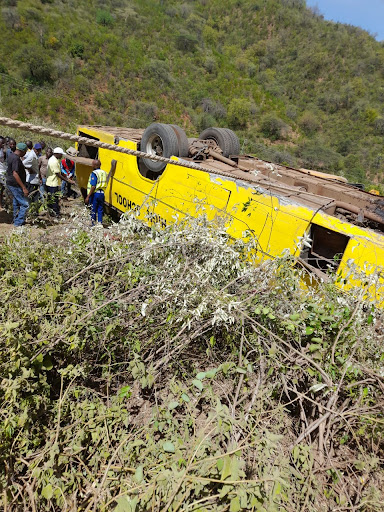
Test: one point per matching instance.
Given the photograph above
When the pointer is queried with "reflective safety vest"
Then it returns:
(101, 184)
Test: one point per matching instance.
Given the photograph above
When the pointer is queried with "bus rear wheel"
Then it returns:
(163, 140)
(225, 138)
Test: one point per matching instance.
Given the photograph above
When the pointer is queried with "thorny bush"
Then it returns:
(147, 369)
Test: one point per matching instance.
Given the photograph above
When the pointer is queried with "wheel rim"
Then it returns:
(214, 140)
(154, 145)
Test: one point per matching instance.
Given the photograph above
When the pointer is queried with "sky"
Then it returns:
(367, 14)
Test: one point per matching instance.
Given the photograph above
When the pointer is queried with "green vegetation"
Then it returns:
(296, 88)
(145, 369)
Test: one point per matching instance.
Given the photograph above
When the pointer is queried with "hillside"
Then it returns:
(297, 89)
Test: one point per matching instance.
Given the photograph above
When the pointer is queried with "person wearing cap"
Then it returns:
(54, 175)
(31, 164)
(97, 183)
(16, 179)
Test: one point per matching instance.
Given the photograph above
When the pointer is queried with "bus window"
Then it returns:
(88, 151)
(326, 250)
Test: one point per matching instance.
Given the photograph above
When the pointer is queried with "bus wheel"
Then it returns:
(182, 140)
(161, 140)
(225, 138)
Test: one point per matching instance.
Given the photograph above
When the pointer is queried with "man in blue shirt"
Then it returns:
(95, 191)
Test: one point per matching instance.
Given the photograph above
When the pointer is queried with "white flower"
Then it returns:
(143, 308)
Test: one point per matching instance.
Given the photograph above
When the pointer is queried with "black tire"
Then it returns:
(182, 140)
(223, 139)
(159, 139)
(235, 142)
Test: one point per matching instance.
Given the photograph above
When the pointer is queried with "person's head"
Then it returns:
(43, 145)
(49, 152)
(12, 144)
(37, 148)
(29, 144)
(96, 164)
(21, 149)
(58, 153)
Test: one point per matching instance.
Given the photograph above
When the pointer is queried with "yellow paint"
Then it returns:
(275, 222)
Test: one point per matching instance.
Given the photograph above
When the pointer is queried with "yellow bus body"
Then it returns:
(275, 222)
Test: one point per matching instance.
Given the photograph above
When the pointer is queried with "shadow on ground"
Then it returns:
(6, 222)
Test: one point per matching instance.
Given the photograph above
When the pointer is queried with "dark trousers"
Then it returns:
(97, 206)
(33, 194)
(53, 200)
(66, 190)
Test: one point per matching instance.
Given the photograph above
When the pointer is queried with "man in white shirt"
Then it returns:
(31, 164)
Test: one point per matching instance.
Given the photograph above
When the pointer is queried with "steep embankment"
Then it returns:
(296, 88)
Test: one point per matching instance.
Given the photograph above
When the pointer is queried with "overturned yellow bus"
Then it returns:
(277, 205)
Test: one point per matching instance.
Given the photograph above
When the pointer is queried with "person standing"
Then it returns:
(67, 168)
(31, 164)
(11, 147)
(16, 184)
(54, 174)
(95, 191)
(3, 170)
(43, 164)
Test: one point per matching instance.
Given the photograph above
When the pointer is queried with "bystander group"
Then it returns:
(28, 176)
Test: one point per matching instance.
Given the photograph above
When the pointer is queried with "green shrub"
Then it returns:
(379, 125)
(104, 17)
(273, 127)
(11, 17)
(146, 112)
(158, 70)
(36, 65)
(370, 115)
(82, 84)
(353, 168)
(210, 64)
(316, 154)
(77, 50)
(215, 108)
(309, 123)
(239, 113)
(210, 35)
(186, 42)
(203, 121)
